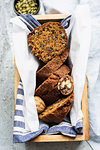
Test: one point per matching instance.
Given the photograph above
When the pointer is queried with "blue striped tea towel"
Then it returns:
(20, 134)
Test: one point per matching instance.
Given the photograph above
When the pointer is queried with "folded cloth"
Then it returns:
(79, 50)
(23, 134)
(32, 23)
(27, 66)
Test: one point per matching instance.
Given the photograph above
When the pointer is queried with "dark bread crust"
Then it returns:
(48, 90)
(53, 65)
(57, 111)
(48, 40)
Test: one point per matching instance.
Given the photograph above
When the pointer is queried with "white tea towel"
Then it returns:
(27, 66)
(79, 50)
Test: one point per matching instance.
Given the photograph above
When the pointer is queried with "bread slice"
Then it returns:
(53, 65)
(48, 90)
(48, 40)
(57, 111)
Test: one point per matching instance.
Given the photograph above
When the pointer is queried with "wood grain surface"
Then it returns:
(50, 17)
(60, 138)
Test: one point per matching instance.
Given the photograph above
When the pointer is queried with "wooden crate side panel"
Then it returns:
(85, 112)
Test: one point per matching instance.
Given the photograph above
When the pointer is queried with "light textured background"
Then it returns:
(7, 91)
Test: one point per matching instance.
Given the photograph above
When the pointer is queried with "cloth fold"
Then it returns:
(79, 50)
(27, 66)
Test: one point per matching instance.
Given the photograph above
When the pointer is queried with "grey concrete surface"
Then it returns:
(7, 91)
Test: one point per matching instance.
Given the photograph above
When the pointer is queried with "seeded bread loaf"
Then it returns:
(57, 111)
(53, 65)
(48, 90)
(48, 40)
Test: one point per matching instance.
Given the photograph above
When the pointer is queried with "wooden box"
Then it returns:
(59, 138)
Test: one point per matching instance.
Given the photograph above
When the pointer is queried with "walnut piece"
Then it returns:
(40, 105)
(65, 85)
